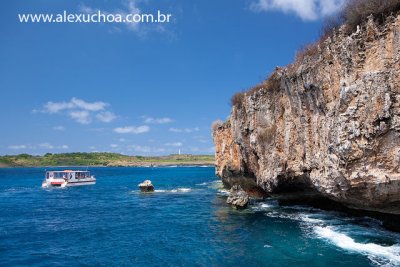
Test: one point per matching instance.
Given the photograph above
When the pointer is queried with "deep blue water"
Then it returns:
(184, 223)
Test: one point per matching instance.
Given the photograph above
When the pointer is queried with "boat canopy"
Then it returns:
(69, 171)
(70, 174)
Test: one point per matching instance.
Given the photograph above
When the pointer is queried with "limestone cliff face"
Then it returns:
(330, 123)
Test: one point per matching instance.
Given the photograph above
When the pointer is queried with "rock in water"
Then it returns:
(238, 198)
(146, 186)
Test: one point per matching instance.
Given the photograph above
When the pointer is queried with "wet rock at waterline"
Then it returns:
(238, 198)
(146, 186)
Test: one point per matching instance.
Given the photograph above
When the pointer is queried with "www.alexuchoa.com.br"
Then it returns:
(97, 17)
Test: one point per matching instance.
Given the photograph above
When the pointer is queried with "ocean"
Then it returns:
(185, 222)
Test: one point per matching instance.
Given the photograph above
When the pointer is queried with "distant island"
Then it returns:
(102, 159)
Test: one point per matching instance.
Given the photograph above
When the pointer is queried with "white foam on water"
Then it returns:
(210, 183)
(265, 206)
(177, 190)
(216, 185)
(330, 226)
(308, 219)
(390, 254)
(223, 192)
(183, 189)
(281, 215)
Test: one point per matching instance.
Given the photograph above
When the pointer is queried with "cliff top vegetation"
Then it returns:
(353, 14)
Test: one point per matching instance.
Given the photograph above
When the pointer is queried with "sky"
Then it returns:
(139, 88)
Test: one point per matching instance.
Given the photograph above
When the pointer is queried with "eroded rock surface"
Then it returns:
(146, 186)
(238, 198)
(329, 124)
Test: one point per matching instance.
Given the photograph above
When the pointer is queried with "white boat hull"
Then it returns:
(81, 183)
(62, 183)
(67, 178)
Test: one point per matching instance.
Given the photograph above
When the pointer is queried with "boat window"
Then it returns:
(60, 175)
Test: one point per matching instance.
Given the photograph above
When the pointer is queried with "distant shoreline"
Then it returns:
(115, 166)
(103, 159)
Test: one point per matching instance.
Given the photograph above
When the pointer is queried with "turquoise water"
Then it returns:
(184, 223)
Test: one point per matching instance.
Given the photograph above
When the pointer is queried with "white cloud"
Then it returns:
(82, 116)
(59, 128)
(132, 129)
(46, 146)
(329, 7)
(74, 103)
(130, 7)
(94, 106)
(79, 110)
(184, 130)
(133, 8)
(114, 145)
(176, 144)
(305, 9)
(54, 107)
(106, 116)
(145, 149)
(157, 120)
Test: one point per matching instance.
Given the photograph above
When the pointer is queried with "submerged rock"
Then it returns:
(146, 186)
(238, 198)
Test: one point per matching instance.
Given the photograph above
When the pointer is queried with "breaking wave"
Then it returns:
(378, 254)
(355, 235)
(177, 190)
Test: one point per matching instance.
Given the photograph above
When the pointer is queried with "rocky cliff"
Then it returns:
(328, 123)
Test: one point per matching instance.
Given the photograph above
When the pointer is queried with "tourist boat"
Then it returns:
(67, 178)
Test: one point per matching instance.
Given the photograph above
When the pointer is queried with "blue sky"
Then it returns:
(139, 89)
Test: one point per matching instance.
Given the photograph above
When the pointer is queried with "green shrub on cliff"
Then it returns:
(237, 100)
(355, 12)
(216, 124)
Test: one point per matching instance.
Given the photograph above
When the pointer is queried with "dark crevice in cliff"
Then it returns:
(292, 184)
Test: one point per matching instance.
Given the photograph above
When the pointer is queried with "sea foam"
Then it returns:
(390, 254)
(177, 190)
(223, 192)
